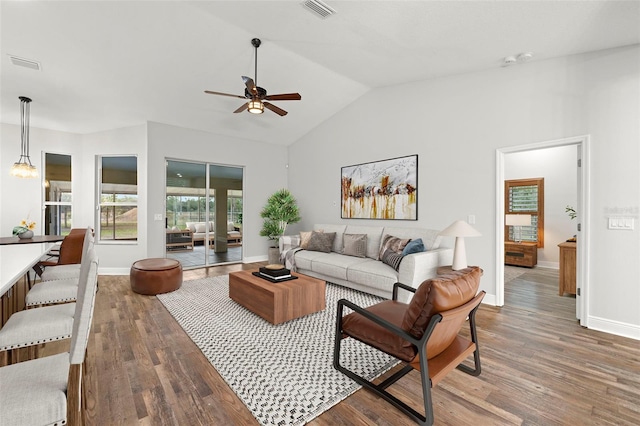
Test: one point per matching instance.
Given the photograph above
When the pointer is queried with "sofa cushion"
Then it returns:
(392, 258)
(335, 265)
(414, 246)
(430, 237)
(304, 259)
(374, 235)
(355, 245)
(338, 229)
(395, 244)
(201, 228)
(372, 273)
(321, 241)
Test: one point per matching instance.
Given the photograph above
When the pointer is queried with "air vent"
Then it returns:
(318, 8)
(27, 63)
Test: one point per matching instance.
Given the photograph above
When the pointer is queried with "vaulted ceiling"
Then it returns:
(112, 64)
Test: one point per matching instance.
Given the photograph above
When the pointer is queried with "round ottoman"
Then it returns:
(155, 276)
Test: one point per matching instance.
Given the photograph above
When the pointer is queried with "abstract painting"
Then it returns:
(386, 189)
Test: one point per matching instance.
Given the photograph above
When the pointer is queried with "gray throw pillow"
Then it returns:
(321, 241)
(355, 245)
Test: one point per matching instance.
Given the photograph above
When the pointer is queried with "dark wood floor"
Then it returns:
(538, 369)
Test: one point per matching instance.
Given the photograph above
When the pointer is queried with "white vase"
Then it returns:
(26, 235)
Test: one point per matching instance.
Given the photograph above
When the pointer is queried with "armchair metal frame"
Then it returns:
(461, 348)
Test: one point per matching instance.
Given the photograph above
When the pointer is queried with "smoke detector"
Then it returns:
(509, 60)
(524, 57)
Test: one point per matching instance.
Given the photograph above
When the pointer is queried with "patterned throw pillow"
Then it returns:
(321, 241)
(355, 245)
(305, 236)
(392, 258)
(395, 244)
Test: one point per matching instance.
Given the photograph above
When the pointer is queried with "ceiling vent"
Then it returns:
(27, 63)
(318, 8)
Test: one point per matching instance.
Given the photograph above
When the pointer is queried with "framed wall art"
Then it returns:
(386, 189)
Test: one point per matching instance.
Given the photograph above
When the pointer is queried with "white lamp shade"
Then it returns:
(517, 220)
(460, 229)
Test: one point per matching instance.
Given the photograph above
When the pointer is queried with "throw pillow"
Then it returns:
(414, 246)
(389, 242)
(201, 228)
(355, 245)
(392, 258)
(305, 236)
(321, 241)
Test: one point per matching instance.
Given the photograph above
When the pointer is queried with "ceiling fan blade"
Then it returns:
(284, 97)
(243, 107)
(223, 94)
(275, 109)
(251, 86)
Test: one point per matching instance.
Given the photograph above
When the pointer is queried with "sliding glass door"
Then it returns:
(203, 213)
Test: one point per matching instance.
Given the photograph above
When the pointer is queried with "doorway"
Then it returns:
(204, 203)
(581, 146)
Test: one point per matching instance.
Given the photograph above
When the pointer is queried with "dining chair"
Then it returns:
(68, 261)
(50, 390)
(422, 334)
(63, 289)
(32, 327)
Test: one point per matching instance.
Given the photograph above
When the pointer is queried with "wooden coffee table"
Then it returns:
(277, 302)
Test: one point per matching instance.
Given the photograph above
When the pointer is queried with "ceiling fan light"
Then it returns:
(256, 106)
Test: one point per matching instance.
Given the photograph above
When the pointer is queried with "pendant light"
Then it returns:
(23, 168)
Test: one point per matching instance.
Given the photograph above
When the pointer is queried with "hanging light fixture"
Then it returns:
(23, 168)
(255, 106)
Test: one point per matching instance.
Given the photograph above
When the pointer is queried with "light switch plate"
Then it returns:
(621, 223)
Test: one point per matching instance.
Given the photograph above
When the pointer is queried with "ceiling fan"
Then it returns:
(257, 95)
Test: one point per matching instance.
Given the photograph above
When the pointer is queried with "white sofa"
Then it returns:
(198, 231)
(369, 274)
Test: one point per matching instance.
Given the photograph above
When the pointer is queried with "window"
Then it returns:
(118, 205)
(526, 196)
(57, 194)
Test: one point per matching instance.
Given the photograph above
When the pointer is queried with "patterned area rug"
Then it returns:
(512, 272)
(284, 373)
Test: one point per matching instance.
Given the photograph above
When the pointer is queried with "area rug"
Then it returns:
(284, 373)
(512, 272)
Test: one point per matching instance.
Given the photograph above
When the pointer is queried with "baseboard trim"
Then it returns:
(550, 265)
(254, 259)
(618, 328)
(113, 271)
(489, 299)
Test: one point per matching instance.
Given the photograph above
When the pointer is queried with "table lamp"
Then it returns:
(459, 229)
(517, 220)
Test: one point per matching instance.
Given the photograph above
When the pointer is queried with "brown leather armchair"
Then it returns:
(423, 334)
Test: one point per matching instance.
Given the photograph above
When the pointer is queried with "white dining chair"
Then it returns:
(62, 287)
(49, 390)
(33, 327)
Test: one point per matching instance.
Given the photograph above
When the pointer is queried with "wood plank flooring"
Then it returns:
(538, 368)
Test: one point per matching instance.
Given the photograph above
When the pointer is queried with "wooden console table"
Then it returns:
(567, 283)
(521, 254)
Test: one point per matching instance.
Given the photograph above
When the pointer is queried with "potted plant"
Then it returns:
(281, 210)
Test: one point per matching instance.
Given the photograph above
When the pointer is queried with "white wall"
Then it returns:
(559, 168)
(115, 257)
(20, 198)
(456, 127)
(264, 173)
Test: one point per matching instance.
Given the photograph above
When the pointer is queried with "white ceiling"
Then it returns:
(111, 64)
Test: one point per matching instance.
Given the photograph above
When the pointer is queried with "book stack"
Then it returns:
(275, 272)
